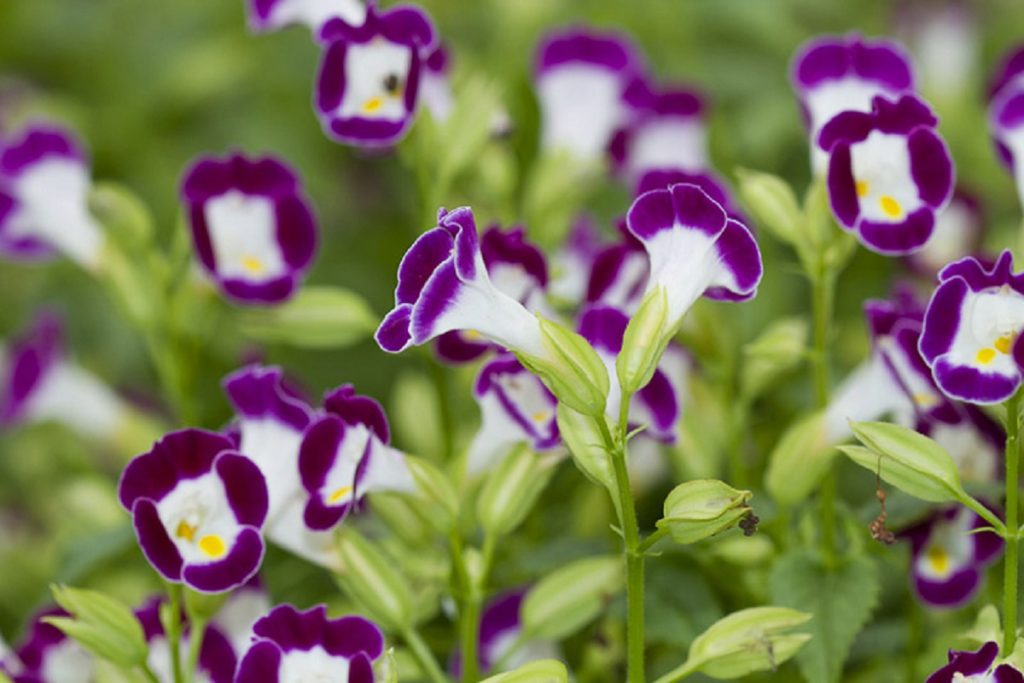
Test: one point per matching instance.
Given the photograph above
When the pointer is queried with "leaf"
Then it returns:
(840, 598)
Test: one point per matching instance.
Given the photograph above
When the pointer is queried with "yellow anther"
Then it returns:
(213, 546)
(925, 400)
(1005, 343)
(373, 104)
(890, 206)
(185, 530)
(862, 188)
(471, 335)
(986, 356)
(938, 558)
(252, 264)
(540, 416)
(339, 494)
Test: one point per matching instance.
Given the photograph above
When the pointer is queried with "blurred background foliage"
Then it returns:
(149, 86)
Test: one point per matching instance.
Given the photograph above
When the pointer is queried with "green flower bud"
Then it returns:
(416, 415)
(644, 343)
(586, 445)
(315, 318)
(541, 671)
(371, 580)
(702, 508)
(566, 600)
(571, 369)
(773, 204)
(511, 490)
(435, 490)
(124, 217)
(777, 351)
(799, 460)
(404, 516)
(102, 625)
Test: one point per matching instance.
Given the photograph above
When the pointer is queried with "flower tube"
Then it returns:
(252, 227)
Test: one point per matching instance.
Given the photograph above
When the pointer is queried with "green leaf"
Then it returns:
(566, 600)
(841, 599)
(102, 625)
(316, 318)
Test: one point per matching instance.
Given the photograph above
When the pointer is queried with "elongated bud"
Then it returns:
(123, 216)
(315, 318)
(799, 460)
(643, 343)
(102, 625)
(778, 350)
(511, 490)
(572, 370)
(436, 492)
(566, 600)
(586, 445)
(405, 517)
(773, 204)
(371, 580)
(541, 671)
(702, 508)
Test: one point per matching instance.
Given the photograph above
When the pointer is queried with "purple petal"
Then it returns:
(356, 409)
(156, 545)
(395, 331)
(261, 664)
(185, 454)
(241, 564)
(245, 488)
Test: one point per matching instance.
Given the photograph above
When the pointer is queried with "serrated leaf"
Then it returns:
(840, 598)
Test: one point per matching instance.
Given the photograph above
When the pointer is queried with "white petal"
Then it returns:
(201, 505)
(881, 164)
(1014, 140)
(952, 239)
(648, 466)
(868, 393)
(76, 398)
(684, 261)
(274, 447)
(387, 470)
(946, 44)
(668, 142)
(436, 95)
(314, 13)
(67, 662)
(580, 108)
(975, 458)
(957, 546)
(831, 98)
(985, 318)
(289, 531)
(238, 615)
(482, 307)
(159, 660)
(368, 66)
(243, 234)
(306, 666)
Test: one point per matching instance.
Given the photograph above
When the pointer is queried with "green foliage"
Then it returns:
(317, 317)
(569, 598)
(102, 625)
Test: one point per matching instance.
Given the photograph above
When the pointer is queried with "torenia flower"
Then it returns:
(517, 268)
(435, 84)
(972, 328)
(713, 185)
(198, 507)
(581, 77)
(217, 658)
(252, 227)
(44, 186)
(345, 455)
(291, 646)
(944, 38)
(1009, 75)
(41, 383)
(46, 655)
(958, 232)
(619, 274)
(948, 559)
(977, 666)
(443, 285)
(241, 611)
(499, 646)
(271, 15)
(1006, 118)
(515, 407)
(889, 173)
(369, 81)
(833, 74)
(571, 264)
(666, 130)
(694, 249)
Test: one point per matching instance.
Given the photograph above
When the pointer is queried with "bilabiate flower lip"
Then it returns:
(515, 407)
(46, 654)
(44, 186)
(198, 507)
(889, 173)
(980, 665)
(443, 285)
(971, 336)
(271, 15)
(580, 76)
(833, 74)
(217, 657)
(292, 645)
(712, 184)
(252, 227)
(369, 80)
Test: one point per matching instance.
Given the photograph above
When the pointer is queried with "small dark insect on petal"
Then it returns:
(392, 83)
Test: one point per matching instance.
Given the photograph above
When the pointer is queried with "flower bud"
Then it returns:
(586, 445)
(572, 370)
(436, 491)
(644, 343)
(702, 508)
(371, 580)
(566, 600)
(102, 625)
(123, 216)
(404, 516)
(778, 350)
(315, 318)
(540, 671)
(511, 490)
(799, 460)
(772, 203)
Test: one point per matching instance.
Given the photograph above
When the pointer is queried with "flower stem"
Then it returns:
(1011, 561)
(174, 631)
(423, 656)
(469, 613)
(822, 304)
(197, 632)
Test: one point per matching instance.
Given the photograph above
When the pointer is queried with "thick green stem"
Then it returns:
(423, 656)
(823, 297)
(197, 632)
(469, 612)
(1011, 559)
(174, 631)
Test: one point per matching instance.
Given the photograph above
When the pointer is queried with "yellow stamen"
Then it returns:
(862, 188)
(373, 104)
(185, 530)
(252, 264)
(339, 494)
(890, 206)
(471, 335)
(540, 416)
(925, 400)
(986, 356)
(213, 546)
(938, 558)
(1005, 343)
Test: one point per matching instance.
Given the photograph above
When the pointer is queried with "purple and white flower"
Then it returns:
(369, 81)
(240, 612)
(499, 647)
(694, 248)
(959, 229)
(436, 85)
(980, 666)
(834, 74)
(44, 187)
(271, 15)
(889, 173)
(46, 655)
(1009, 75)
(345, 455)
(666, 130)
(1006, 119)
(517, 268)
(40, 383)
(198, 507)
(580, 78)
(291, 646)
(572, 263)
(972, 330)
(710, 182)
(252, 227)
(944, 39)
(619, 273)
(515, 407)
(217, 658)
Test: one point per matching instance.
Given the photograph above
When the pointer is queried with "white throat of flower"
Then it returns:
(243, 235)
(580, 109)
(883, 180)
(198, 519)
(375, 80)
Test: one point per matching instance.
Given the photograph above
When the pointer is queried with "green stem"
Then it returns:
(424, 657)
(823, 299)
(148, 673)
(174, 631)
(678, 673)
(469, 613)
(1011, 560)
(651, 540)
(195, 645)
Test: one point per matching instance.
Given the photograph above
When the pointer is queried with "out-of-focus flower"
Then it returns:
(948, 559)
(666, 130)
(1009, 75)
(240, 612)
(619, 273)
(44, 186)
(713, 185)
(571, 264)
(46, 655)
(41, 383)
(580, 77)
(305, 646)
(198, 507)
(369, 81)
(515, 407)
(252, 227)
(1006, 118)
(889, 173)
(517, 268)
(943, 37)
(499, 647)
(971, 336)
(435, 84)
(217, 658)
(977, 666)
(958, 232)
(271, 15)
